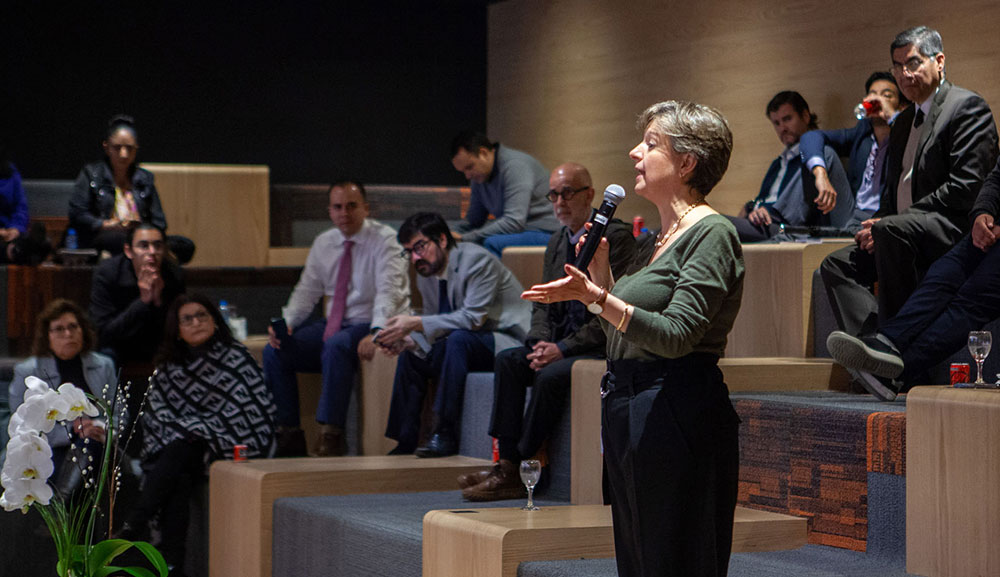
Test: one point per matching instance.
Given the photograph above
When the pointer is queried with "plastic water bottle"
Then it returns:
(225, 310)
(71, 241)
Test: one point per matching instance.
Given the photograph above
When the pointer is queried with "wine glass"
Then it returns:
(531, 470)
(979, 345)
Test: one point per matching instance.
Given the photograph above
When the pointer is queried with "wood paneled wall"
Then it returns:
(567, 78)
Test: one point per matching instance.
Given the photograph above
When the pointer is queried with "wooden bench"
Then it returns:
(242, 495)
(952, 475)
(775, 319)
(766, 374)
(493, 542)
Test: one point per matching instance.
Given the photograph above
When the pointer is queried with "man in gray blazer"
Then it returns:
(472, 308)
(940, 151)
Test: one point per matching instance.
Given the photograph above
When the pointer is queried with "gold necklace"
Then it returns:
(663, 238)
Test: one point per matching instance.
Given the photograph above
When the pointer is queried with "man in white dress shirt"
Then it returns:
(359, 267)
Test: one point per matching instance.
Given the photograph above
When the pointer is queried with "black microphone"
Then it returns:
(613, 195)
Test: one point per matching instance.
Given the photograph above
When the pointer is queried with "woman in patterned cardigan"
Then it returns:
(207, 395)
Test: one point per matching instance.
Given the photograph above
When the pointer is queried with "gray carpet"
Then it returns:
(808, 561)
(831, 399)
(360, 535)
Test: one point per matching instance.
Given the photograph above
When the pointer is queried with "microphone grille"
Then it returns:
(614, 194)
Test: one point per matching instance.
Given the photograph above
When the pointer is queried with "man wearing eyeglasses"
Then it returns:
(472, 309)
(357, 266)
(560, 334)
(130, 294)
(940, 151)
(508, 184)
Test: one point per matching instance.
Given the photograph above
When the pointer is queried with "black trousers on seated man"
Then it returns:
(521, 432)
(905, 247)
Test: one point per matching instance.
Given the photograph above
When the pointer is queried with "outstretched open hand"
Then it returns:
(574, 286)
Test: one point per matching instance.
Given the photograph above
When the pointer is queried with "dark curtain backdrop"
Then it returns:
(315, 90)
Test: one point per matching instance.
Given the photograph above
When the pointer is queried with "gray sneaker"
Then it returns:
(882, 388)
(865, 354)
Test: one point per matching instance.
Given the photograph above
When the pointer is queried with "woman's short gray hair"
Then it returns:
(694, 129)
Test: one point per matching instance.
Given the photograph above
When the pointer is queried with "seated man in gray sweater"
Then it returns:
(507, 184)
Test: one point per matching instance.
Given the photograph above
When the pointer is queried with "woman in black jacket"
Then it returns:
(113, 195)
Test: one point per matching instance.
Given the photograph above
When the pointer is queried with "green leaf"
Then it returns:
(136, 571)
(154, 557)
(105, 552)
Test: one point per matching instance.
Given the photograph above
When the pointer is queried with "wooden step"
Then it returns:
(783, 374)
(493, 542)
(242, 495)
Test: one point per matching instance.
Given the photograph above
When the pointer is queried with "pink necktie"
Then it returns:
(336, 317)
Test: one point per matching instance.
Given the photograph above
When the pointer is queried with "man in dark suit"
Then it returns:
(940, 151)
(865, 144)
(560, 334)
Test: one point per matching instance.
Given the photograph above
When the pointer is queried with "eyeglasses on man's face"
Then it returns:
(567, 193)
(419, 248)
(911, 65)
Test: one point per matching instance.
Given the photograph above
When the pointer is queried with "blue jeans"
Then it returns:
(305, 352)
(498, 242)
(960, 293)
(450, 361)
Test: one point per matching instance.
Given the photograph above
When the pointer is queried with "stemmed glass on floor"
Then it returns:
(979, 345)
(531, 470)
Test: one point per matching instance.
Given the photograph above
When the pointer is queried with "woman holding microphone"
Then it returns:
(669, 429)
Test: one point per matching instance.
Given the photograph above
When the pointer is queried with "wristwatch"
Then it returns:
(597, 307)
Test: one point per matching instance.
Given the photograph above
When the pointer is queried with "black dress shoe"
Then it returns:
(440, 445)
(402, 449)
(291, 443)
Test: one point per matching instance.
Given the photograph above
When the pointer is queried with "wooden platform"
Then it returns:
(241, 497)
(759, 374)
(214, 205)
(493, 542)
(952, 482)
(775, 319)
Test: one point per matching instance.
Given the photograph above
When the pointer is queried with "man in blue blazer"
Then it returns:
(472, 309)
(865, 144)
(781, 199)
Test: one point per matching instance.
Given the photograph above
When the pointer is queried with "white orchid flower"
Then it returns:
(15, 424)
(78, 402)
(28, 457)
(40, 413)
(35, 386)
(21, 494)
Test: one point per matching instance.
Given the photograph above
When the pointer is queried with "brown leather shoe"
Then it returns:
(331, 442)
(466, 480)
(503, 482)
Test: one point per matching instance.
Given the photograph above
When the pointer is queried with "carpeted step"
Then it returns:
(808, 561)
(360, 535)
(834, 458)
